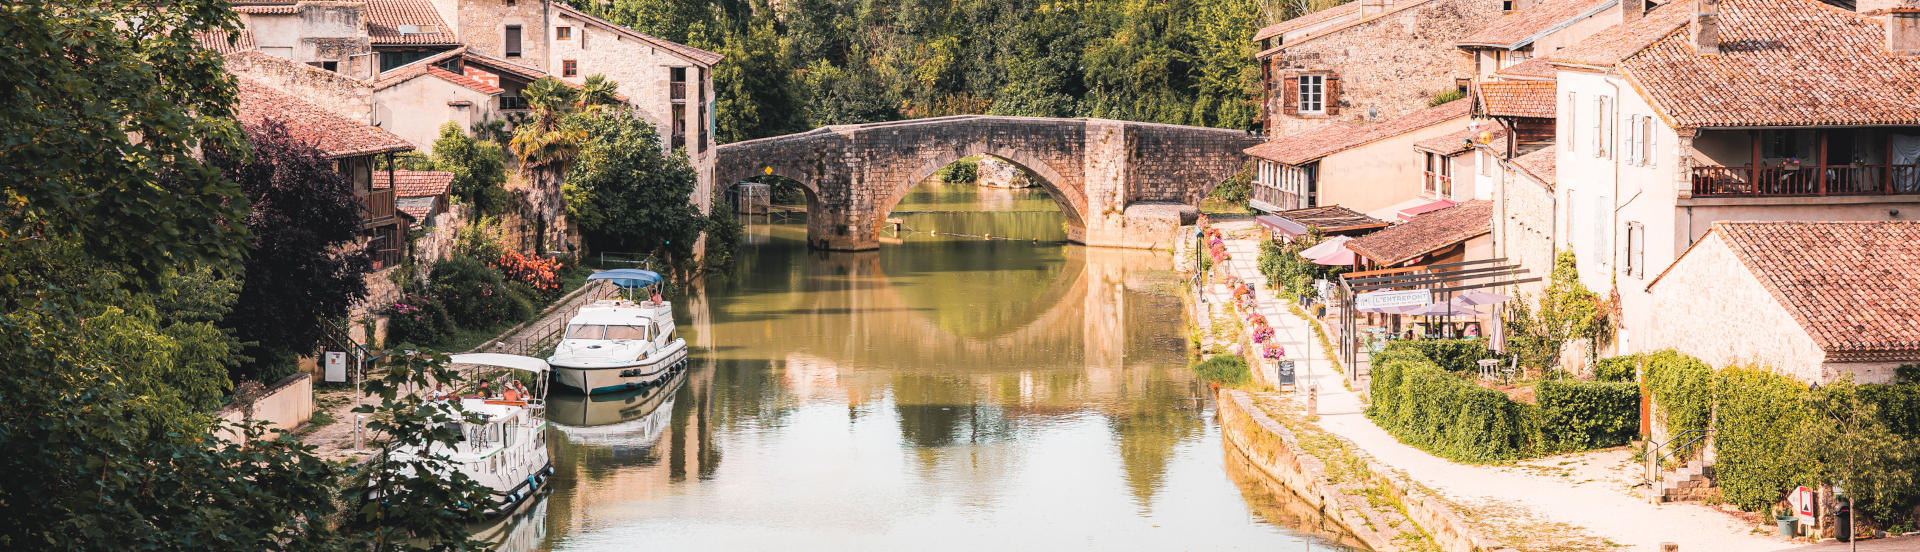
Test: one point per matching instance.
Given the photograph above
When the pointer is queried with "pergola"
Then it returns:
(1442, 280)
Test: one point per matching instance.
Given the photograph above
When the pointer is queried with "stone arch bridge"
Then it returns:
(1119, 183)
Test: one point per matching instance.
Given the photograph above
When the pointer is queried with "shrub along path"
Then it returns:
(1568, 502)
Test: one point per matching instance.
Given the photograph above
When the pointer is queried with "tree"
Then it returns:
(1566, 311)
(102, 110)
(1847, 441)
(301, 271)
(479, 169)
(414, 501)
(543, 145)
(626, 195)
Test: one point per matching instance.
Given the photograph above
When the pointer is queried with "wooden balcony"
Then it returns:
(677, 91)
(1439, 185)
(1279, 199)
(1805, 180)
(376, 207)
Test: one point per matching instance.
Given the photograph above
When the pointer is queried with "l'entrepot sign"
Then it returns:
(1395, 298)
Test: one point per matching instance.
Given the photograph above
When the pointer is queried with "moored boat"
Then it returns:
(503, 445)
(618, 344)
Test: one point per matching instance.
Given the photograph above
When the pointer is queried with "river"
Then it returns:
(942, 393)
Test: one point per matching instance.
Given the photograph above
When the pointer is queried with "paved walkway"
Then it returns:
(1565, 502)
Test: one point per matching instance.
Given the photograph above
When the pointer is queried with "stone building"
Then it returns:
(1372, 169)
(1673, 121)
(1376, 60)
(1815, 301)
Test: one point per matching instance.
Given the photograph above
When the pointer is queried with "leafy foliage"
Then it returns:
(1452, 355)
(1754, 425)
(625, 195)
(1586, 415)
(415, 500)
(1236, 189)
(474, 294)
(1282, 264)
(104, 107)
(479, 169)
(1445, 96)
(964, 171)
(1620, 368)
(1682, 388)
(1566, 311)
(1228, 370)
(1442, 413)
(300, 269)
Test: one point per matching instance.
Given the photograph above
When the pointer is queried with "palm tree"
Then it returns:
(542, 146)
(598, 91)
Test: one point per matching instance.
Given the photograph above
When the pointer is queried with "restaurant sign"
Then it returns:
(1395, 298)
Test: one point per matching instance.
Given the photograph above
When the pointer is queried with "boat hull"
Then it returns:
(607, 379)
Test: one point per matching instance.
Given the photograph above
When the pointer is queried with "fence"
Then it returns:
(537, 336)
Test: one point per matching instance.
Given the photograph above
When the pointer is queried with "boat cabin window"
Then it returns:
(626, 332)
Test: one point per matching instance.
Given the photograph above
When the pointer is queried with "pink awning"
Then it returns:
(1410, 212)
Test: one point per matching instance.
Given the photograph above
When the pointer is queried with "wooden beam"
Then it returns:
(1397, 278)
(1350, 275)
(1487, 285)
(1487, 273)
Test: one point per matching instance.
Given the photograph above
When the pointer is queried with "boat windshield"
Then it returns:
(585, 331)
(626, 332)
(597, 331)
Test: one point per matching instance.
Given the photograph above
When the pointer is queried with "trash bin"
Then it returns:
(1843, 520)
(1789, 526)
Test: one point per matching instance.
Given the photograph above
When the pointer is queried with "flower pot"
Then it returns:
(1789, 526)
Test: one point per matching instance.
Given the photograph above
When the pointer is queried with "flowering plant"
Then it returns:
(1273, 352)
(540, 274)
(1262, 333)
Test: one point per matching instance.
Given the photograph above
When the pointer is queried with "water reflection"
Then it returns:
(936, 394)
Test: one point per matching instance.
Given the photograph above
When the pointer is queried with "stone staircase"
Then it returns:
(1690, 483)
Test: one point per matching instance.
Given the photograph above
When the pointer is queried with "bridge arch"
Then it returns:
(1094, 168)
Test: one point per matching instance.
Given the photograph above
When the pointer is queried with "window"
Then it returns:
(563, 33)
(1506, 5)
(585, 331)
(1573, 121)
(569, 68)
(1602, 231)
(1649, 157)
(333, 66)
(1633, 140)
(1636, 250)
(677, 84)
(513, 41)
(1313, 93)
(679, 127)
(626, 332)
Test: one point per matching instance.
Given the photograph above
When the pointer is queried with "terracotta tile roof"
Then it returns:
(498, 66)
(1395, 8)
(463, 80)
(700, 56)
(1426, 233)
(1782, 63)
(1337, 137)
(224, 42)
(1532, 69)
(1615, 43)
(1540, 162)
(384, 18)
(416, 183)
(335, 135)
(427, 68)
(1518, 99)
(1463, 139)
(1518, 29)
(1348, 9)
(1851, 285)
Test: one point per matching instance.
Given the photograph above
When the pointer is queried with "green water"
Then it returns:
(937, 394)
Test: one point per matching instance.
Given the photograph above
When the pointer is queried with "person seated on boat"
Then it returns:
(654, 296)
(511, 391)
(484, 392)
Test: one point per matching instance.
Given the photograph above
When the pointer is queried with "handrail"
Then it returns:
(1657, 454)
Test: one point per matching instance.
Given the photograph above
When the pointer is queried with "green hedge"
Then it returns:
(1586, 415)
(1453, 355)
(1620, 368)
(1682, 387)
(1442, 413)
(1758, 414)
(1228, 370)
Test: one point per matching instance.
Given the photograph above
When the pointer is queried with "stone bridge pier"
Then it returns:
(1119, 183)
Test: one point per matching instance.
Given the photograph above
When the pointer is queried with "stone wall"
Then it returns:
(482, 26)
(1392, 63)
(1523, 230)
(1713, 308)
(1094, 168)
(334, 92)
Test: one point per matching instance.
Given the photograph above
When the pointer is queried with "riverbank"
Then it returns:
(1570, 502)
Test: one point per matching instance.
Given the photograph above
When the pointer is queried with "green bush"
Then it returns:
(416, 319)
(1759, 412)
(1583, 415)
(964, 171)
(1228, 370)
(1452, 355)
(474, 294)
(1620, 368)
(1442, 413)
(1682, 387)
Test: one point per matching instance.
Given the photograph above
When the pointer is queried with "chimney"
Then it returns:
(1631, 10)
(1705, 28)
(1903, 30)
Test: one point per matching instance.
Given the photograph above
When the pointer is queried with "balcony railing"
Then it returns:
(376, 207)
(1806, 180)
(1282, 200)
(1439, 184)
(677, 91)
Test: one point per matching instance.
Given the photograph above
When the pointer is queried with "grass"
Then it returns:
(1227, 370)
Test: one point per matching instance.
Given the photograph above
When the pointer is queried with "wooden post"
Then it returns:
(1753, 162)
(1820, 168)
(1886, 184)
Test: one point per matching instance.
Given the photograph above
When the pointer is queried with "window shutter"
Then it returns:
(1573, 121)
(1653, 149)
(1599, 113)
(1290, 95)
(1331, 98)
(1633, 132)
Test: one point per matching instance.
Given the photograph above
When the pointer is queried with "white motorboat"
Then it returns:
(506, 451)
(617, 344)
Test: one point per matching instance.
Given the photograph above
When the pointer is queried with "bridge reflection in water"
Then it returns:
(936, 394)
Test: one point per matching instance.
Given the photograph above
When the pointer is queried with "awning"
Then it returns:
(628, 277)
(1409, 213)
(1332, 252)
(515, 362)
(1280, 226)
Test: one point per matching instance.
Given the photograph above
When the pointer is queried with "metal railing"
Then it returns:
(537, 338)
(1659, 453)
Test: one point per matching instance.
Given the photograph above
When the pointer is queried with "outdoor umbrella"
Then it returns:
(1332, 252)
(1455, 307)
(1477, 297)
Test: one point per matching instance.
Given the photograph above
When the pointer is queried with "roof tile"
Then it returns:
(384, 18)
(1851, 285)
(1615, 43)
(1532, 69)
(1541, 163)
(1533, 99)
(416, 183)
(225, 42)
(1329, 14)
(335, 135)
(1518, 29)
(1426, 233)
(1337, 137)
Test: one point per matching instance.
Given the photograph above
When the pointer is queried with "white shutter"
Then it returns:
(1573, 121)
(1633, 132)
(1653, 146)
(1599, 117)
